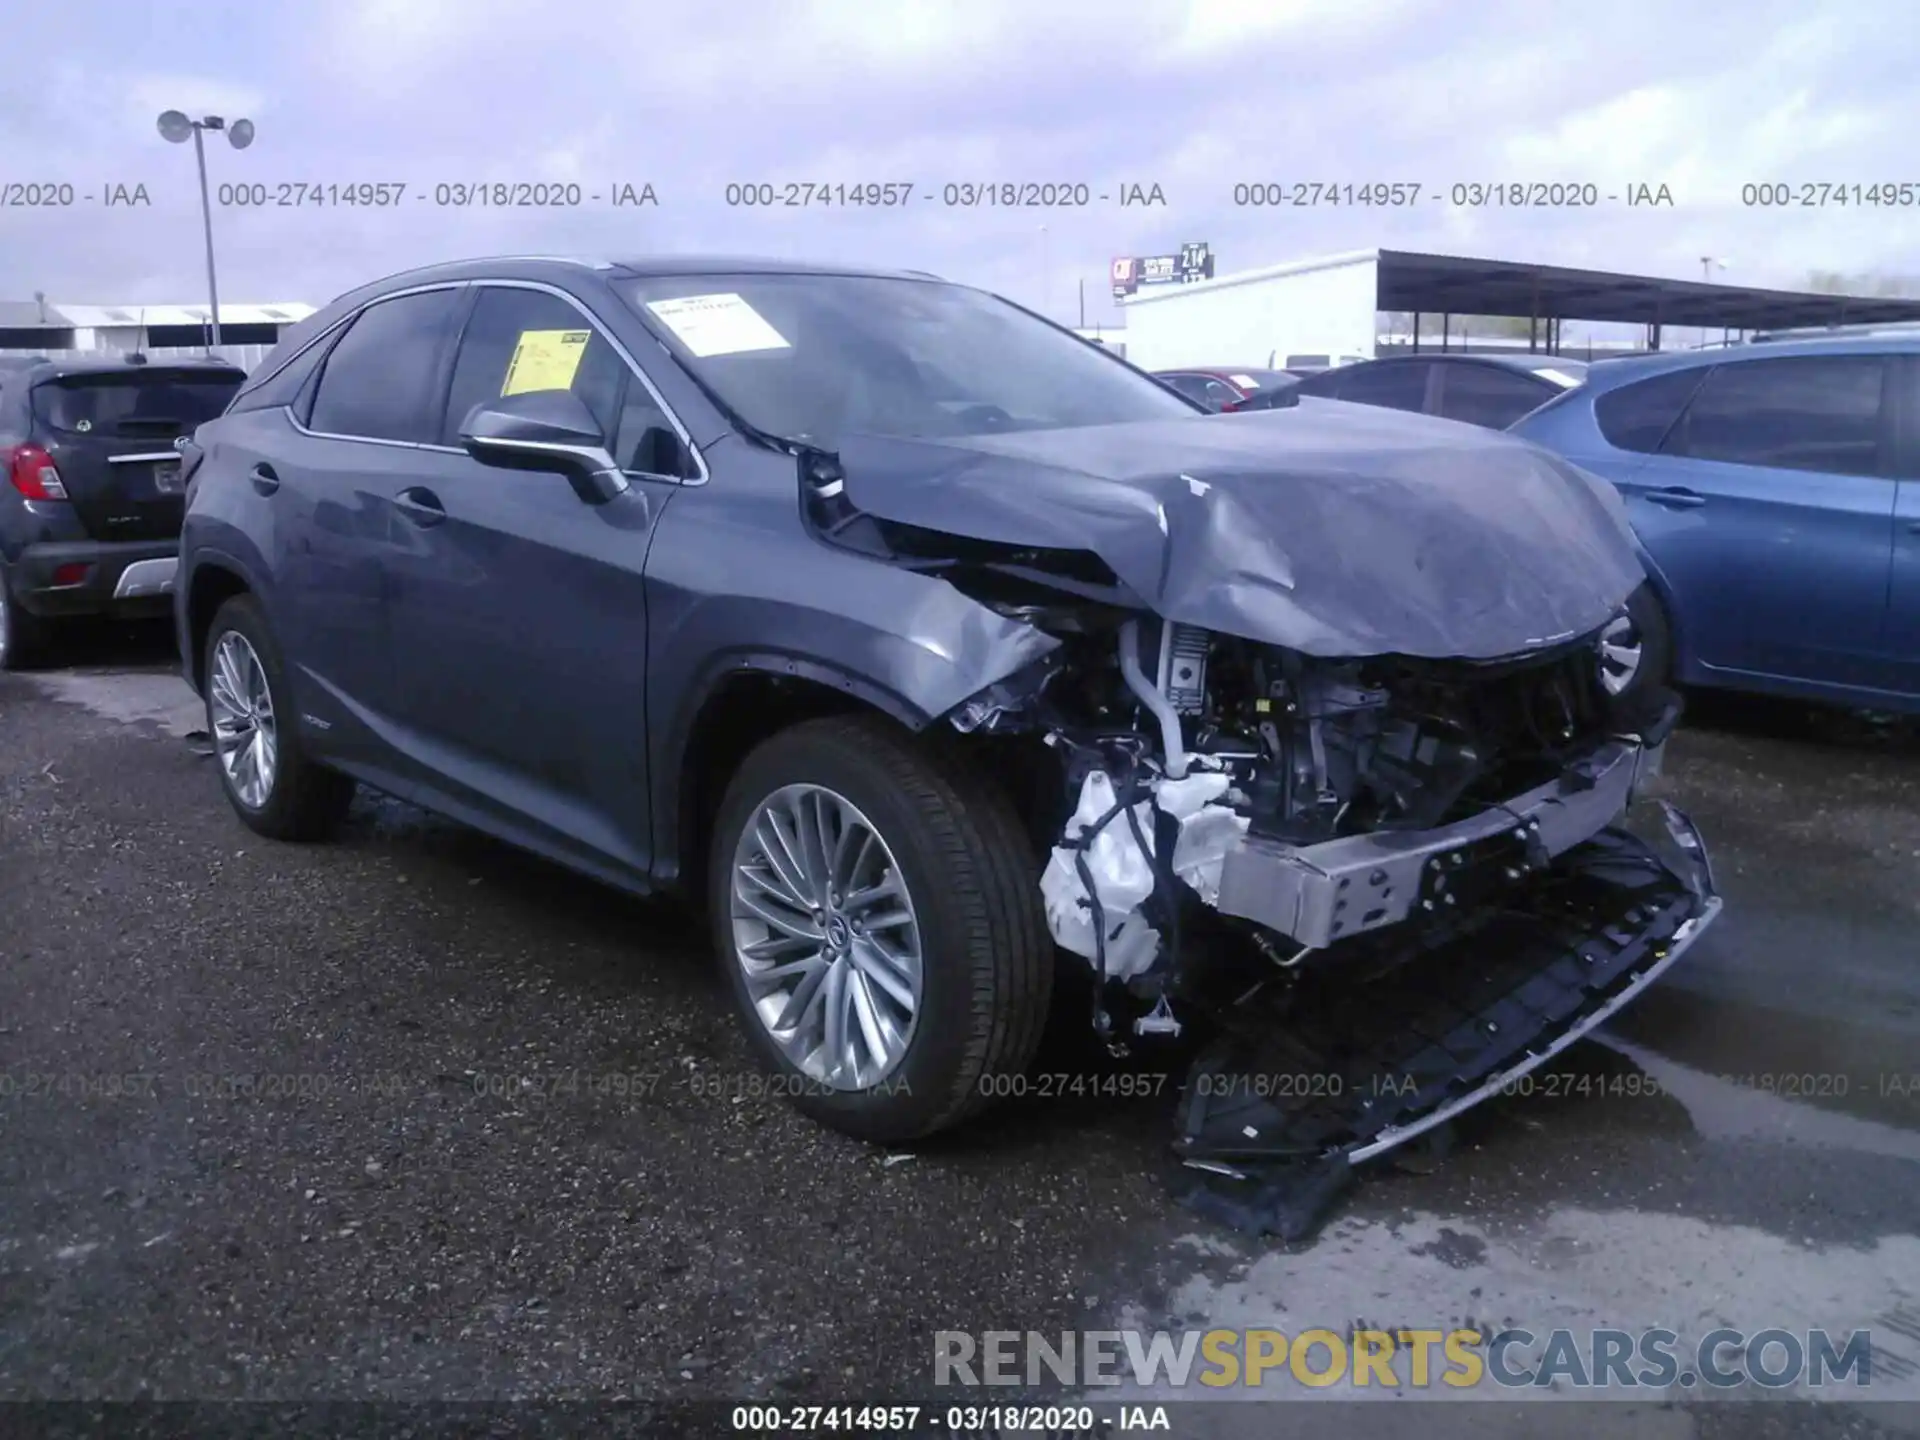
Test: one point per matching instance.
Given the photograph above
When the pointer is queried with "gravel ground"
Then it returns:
(410, 1117)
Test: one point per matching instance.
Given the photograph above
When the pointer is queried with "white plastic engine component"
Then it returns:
(1207, 831)
(1123, 870)
(1122, 879)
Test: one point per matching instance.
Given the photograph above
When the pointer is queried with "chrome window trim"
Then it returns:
(481, 282)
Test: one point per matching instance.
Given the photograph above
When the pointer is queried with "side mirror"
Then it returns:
(548, 430)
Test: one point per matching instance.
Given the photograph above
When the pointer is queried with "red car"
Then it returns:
(1227, 387)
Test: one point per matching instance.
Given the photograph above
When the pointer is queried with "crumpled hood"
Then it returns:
(1336, 530)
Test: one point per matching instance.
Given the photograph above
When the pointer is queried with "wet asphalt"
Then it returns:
(410, 1116)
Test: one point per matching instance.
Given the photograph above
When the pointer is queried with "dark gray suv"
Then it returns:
(91, 494)
(930, 644)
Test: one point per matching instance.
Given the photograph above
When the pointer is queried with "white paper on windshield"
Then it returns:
(717, 325)
(1245, 382)
(1558, 377)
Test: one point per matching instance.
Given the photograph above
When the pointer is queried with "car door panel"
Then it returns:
(350, 437)
(519, 620)
(519, 612)
(330, 531)
(1775, 570)
(1903, 578)
(1903, 607)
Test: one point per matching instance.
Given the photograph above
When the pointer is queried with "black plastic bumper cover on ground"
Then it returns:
(1280, 1109)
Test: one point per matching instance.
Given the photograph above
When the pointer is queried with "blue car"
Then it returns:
(1776, 491)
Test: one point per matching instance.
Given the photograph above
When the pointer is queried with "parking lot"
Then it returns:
(413, 1116)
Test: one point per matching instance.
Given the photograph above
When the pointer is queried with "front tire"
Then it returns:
(877, 911)
(273, 786)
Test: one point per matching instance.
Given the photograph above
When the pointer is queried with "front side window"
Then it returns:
(519, 342)
(381, 379)
(815, 358)
(1800, 413)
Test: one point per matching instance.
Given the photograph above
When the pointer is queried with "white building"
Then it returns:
(1325, 307)
(1308, 314)
(56, 328)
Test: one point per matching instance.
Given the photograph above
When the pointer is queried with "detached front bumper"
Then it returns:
(1317, 894)
(1280, 1109)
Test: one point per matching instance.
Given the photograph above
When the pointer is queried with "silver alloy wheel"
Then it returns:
(240, 714)
(826, 937)
(1621, 653)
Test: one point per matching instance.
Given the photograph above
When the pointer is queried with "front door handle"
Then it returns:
(420, 505)
(1677, 499)
(263, 478)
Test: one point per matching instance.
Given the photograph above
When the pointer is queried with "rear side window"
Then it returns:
(285, 385)
(1490, 396)
(1637, 417)
(156, 403)
(382, 380)
(1805, 413)
(1395, 386)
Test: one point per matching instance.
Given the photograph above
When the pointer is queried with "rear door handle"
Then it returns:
(420, 505)
(1677, 499)
(263, 478)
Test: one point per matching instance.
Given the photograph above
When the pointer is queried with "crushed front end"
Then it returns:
(1390, 885)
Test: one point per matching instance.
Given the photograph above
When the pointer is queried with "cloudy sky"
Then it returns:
(1192, 96)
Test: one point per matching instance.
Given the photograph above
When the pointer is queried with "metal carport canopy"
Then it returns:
(1459, 285)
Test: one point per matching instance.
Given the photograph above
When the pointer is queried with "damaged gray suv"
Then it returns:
(964, 671)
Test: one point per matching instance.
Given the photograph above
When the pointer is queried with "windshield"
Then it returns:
(816, 357)
(120, 403)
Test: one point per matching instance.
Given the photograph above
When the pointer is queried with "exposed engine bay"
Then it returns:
(1415, 867)
(1307, 802)
(1398, 871)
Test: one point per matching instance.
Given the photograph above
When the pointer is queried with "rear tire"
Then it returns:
(969, 885)
(275, 789)
(26, 640)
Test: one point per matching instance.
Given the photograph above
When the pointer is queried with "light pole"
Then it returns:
(1707, 264)
(1046, 274)
(177, 128)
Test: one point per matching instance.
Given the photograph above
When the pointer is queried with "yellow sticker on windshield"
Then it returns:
(545, 360)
